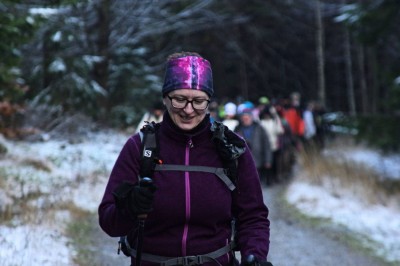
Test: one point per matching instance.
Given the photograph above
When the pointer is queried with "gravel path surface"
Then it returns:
(293, 242)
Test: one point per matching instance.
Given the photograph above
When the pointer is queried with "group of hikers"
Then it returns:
(275, 131)
(186, 190)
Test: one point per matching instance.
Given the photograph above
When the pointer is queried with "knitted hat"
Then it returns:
(246, 105)
(263, 100)
(247, 111)
(188, 72)
(230, 108)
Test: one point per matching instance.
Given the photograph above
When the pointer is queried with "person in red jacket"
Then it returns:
(189, 206)
(293, 115)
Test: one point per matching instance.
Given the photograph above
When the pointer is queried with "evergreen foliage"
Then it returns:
(380, 131)
(16, 28)
(106, 58)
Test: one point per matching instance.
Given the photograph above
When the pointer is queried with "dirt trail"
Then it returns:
(293, 243)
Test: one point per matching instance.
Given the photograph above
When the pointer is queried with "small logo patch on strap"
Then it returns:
(147, 153)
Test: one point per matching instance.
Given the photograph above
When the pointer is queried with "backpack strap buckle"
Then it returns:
(187, 261)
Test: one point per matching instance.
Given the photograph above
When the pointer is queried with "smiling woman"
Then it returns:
(189, 202)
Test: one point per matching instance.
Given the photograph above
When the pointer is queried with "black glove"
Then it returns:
(253, 261)
(136, 199)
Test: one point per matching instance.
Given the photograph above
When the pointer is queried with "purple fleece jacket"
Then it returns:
(192, 211)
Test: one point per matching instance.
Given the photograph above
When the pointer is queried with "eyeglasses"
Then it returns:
(181, 103)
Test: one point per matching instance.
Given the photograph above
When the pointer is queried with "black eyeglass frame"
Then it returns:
(187, 102)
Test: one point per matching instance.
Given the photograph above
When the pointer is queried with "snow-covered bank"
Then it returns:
(375, 225)
(387, 166)
(60, 174)
(54, 174)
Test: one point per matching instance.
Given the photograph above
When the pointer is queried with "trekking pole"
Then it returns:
(144, 182)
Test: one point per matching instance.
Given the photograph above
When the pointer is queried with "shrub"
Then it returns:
(380, 131)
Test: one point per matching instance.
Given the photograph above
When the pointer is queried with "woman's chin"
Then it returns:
(186, 126)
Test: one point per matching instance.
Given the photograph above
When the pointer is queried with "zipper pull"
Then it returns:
(191, 143)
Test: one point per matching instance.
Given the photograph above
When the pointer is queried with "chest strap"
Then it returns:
(220, 172)
(182, 261)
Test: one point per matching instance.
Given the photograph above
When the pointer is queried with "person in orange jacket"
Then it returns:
(293, 115)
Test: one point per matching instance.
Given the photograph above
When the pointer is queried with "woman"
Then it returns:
(189, 213)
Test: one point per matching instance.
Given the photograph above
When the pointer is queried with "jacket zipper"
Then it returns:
(189, 145)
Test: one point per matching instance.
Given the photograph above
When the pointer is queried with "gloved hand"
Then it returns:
(142, 197)
(253, 261)
(136, 199)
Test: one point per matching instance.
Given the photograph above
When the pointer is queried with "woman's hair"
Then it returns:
(182, 54)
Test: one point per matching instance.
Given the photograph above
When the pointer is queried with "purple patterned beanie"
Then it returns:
(188, 72)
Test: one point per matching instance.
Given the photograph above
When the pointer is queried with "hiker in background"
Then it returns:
(155, 114)
(213, 111)
(309, 126)
(263, 102)
(286, 156)
(320, 125)
(230, 119)
(294, 116)
(257, 139)
(270, 121)
(189, 208)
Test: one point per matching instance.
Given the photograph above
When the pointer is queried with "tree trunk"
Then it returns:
(372, 62)
(243, 80)
(100, 68)
(349, 70)
(362, 78)
(46, 58)
(319, 34)
(362, 72)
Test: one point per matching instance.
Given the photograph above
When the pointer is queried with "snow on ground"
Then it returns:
(388, 166)
(377, 226)
(66, 173)
(33, 245)
(77, 173)
(377, 223)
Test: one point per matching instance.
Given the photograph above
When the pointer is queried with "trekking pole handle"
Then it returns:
(144, 182)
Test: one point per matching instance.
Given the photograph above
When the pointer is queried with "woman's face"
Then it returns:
(186, 117)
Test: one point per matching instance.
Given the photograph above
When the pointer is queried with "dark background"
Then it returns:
(106, 58)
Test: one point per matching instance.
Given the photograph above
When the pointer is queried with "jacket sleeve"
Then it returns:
(113, 221)
(252, 223)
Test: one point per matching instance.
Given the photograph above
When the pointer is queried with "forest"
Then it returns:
(105, 58)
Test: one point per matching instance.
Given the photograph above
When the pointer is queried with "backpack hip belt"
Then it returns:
(184, 261)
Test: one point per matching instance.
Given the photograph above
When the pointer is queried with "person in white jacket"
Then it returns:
(309, 124)
(270, 121)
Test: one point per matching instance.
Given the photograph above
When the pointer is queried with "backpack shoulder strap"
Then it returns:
(148, 135)
(229, 146)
